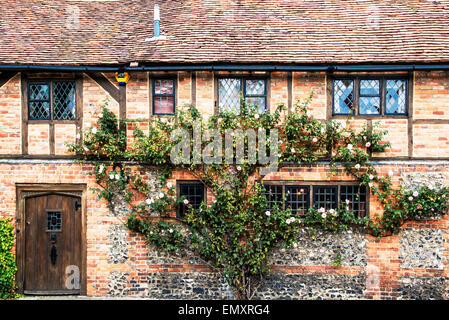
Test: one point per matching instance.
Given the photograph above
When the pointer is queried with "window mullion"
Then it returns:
(356, 96)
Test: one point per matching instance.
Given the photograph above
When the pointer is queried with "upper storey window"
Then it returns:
(253, 91)
(370, 96)
(163, 96)
(52, 100)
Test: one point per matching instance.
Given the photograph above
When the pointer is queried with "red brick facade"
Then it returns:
(419, 145)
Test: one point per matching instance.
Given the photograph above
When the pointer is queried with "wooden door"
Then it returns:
(52, 244)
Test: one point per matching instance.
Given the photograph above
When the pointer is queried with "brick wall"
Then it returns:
(120, 263)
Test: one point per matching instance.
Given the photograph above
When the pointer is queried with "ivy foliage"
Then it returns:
(8, 266)
(235, 230)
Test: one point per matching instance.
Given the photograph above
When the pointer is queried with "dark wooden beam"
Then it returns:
(5, 76)
(107, 85)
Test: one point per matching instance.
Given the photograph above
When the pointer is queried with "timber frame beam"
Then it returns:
(5, 76)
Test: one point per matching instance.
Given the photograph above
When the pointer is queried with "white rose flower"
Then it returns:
(86, 149)
(357, 166)
(149, 201)
(350, 146)
(321, 210)
(161, 195)
(324, 215)
(368, 144)
(370, 184)
(111, 176)
(293, 150)
(100, 170)
(267, 213)
(347, 201)
(170, 230)
(415, 194)
(288, 221)
(371, 177)
(256, 116)
(410, 198)
(100, 115)
(186, 202)
(314, 139)
(117, 177)
(94, 130)
(347, 208)
(239, 168)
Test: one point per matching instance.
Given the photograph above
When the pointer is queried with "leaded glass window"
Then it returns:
(163, 96)
(229, 94)
(354, 198)
(255, 94)
(297, 199)
(59, 105)
(54, 221)
(369, 100)
(325, 197)
(343, 96)
(381, 95)
(64, 100)
(232, 90)
(194, 193)
(39, 101)
(395, 97)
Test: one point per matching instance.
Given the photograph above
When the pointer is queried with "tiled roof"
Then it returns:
(71, 32)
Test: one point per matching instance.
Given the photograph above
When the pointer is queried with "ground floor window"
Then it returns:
(300, 197)
(193, 192)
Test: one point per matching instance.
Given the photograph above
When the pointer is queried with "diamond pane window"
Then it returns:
(354, 198)
(39, 110)
(64, 105)
(231, 90)
(395, 97)
(369, 101)
(274, 195)
(255, 87)
(39, 101)
(164, 96)
(343, 96)
(255, 94)
(369, 105)
(59, 105)
(54, 221)
(194, 193)
(39, 91)
(325, 197)
(297, 199)
(229, 94)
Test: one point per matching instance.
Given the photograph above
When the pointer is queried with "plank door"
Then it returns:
(52, 244)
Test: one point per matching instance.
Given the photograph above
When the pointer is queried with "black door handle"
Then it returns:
(53, 255)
